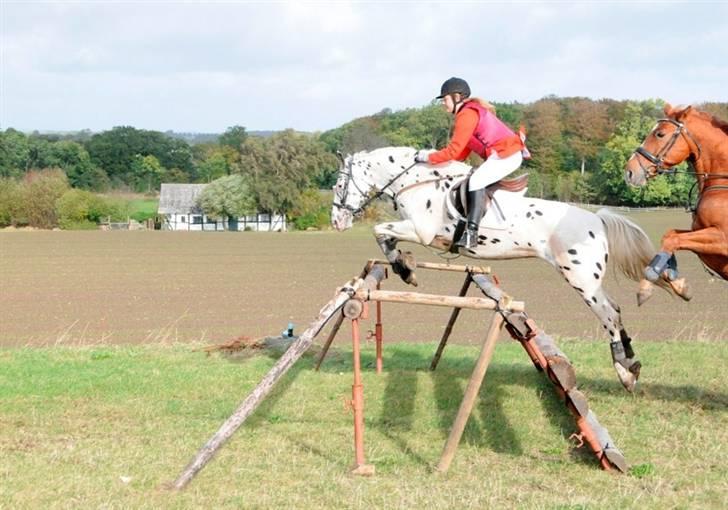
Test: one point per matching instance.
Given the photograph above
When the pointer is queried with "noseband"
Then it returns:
(658, 160)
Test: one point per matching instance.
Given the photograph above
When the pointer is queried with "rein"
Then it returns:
(350, 179)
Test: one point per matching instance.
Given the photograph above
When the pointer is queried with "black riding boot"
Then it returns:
(469, 239)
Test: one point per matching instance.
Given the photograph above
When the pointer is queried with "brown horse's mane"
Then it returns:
(713, 120)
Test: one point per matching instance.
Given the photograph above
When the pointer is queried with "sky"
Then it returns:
(312, 66)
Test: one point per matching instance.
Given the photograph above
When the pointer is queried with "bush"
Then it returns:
(40, 191)
(81, 210)
(11, 203)
(312, 211)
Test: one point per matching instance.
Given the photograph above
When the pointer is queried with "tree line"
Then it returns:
(579, 147)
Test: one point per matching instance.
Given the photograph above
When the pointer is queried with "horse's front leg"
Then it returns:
(388, 235)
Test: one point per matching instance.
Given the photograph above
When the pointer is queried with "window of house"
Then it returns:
(196, 220)
(183, 218)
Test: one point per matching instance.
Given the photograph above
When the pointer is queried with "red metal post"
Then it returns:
(378, 335)
(357, 402)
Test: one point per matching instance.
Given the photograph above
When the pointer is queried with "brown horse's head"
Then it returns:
(668, 144)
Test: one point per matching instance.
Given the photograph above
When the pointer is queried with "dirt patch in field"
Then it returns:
(60, 288)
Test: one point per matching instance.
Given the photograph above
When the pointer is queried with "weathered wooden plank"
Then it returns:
(418, 298)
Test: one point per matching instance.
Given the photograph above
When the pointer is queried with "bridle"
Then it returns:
(349, 179)
(658, 160)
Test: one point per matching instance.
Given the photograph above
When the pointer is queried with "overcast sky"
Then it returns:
(312, 66)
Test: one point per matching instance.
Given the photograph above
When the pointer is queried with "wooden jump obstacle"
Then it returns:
(352, 300)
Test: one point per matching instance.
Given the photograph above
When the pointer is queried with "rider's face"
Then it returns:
(448, 103)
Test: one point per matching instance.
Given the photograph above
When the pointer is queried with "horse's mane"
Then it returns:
(458, 166)
(712, 119)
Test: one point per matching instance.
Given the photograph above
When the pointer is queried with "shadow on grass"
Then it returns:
(492, 430)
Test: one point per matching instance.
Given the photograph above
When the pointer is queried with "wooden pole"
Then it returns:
(442, 267)
(329, 340)
(246, 408)
(450, 324)
(417, 298)
(471, 393)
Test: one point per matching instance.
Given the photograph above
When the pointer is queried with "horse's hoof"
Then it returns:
(651, 274)
(412, 279)
(645, 292)
(682, 288)
(627, 378)
(407, 259)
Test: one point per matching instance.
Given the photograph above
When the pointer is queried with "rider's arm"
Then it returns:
(465, 123)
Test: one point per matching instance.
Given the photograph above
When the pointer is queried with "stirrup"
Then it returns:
(468, 240)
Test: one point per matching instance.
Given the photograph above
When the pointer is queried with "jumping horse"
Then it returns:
(576, 242)
(700, 138)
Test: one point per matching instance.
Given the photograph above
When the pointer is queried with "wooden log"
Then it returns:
(329, 340)
(372, 275)
(417, 298)
(246, 408)
(471, 393)
(444, 267)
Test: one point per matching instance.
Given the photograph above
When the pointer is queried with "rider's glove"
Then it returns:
(423, 156)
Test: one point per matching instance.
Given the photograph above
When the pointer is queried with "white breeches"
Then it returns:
(494, 169)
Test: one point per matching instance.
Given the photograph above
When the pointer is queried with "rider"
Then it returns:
(476, 129)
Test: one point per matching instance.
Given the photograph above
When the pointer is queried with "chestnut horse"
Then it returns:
(689, 134)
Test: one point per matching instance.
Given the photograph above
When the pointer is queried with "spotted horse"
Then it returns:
(576, 242)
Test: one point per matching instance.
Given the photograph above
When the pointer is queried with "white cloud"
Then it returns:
(315, 65)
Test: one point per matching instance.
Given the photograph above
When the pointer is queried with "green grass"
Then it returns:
(141, 209)
(106, 426)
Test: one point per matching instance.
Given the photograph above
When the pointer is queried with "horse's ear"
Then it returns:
(676, 112)
(340, 156)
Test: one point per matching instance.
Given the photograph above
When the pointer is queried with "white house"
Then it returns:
(179, 211)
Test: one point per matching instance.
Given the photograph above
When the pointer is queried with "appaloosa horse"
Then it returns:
(689, 134)
(576, 242)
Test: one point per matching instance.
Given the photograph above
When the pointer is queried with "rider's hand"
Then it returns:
(423, 156)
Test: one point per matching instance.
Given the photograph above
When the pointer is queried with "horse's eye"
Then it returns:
(660, 134)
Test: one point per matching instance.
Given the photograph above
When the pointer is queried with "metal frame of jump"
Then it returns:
(352, 301)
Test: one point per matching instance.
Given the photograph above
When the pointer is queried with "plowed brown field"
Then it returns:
(135, 287)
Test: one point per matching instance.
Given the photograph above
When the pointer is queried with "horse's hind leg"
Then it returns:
(623, 356)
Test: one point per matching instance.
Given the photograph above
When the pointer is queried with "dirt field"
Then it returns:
(140, 287)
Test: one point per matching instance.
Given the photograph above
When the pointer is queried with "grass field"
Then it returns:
(120, 402)
(106, 427)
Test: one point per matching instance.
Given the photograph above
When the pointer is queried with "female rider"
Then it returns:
(476, 129)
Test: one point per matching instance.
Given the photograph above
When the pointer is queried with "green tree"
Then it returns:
(147, 172)
(610, 187)
(233, 137)
(116, 150)
(14, 152)
(281, 167)
(227, 197)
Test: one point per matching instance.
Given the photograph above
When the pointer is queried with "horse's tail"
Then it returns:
(629, 247)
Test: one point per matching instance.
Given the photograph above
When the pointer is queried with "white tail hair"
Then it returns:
(629, 247)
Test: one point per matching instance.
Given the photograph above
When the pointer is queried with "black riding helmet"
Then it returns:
(454, 85)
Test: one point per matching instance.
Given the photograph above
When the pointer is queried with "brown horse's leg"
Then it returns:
(706, 241)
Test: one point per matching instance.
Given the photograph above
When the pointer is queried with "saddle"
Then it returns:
(459, 190)
(459, 193)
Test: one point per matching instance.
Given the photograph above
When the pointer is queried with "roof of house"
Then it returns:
(179, 198)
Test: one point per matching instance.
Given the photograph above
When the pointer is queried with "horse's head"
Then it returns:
(348, 196)
(668, 144)
(365, 176)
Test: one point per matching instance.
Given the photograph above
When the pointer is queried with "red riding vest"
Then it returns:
(491, 134)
